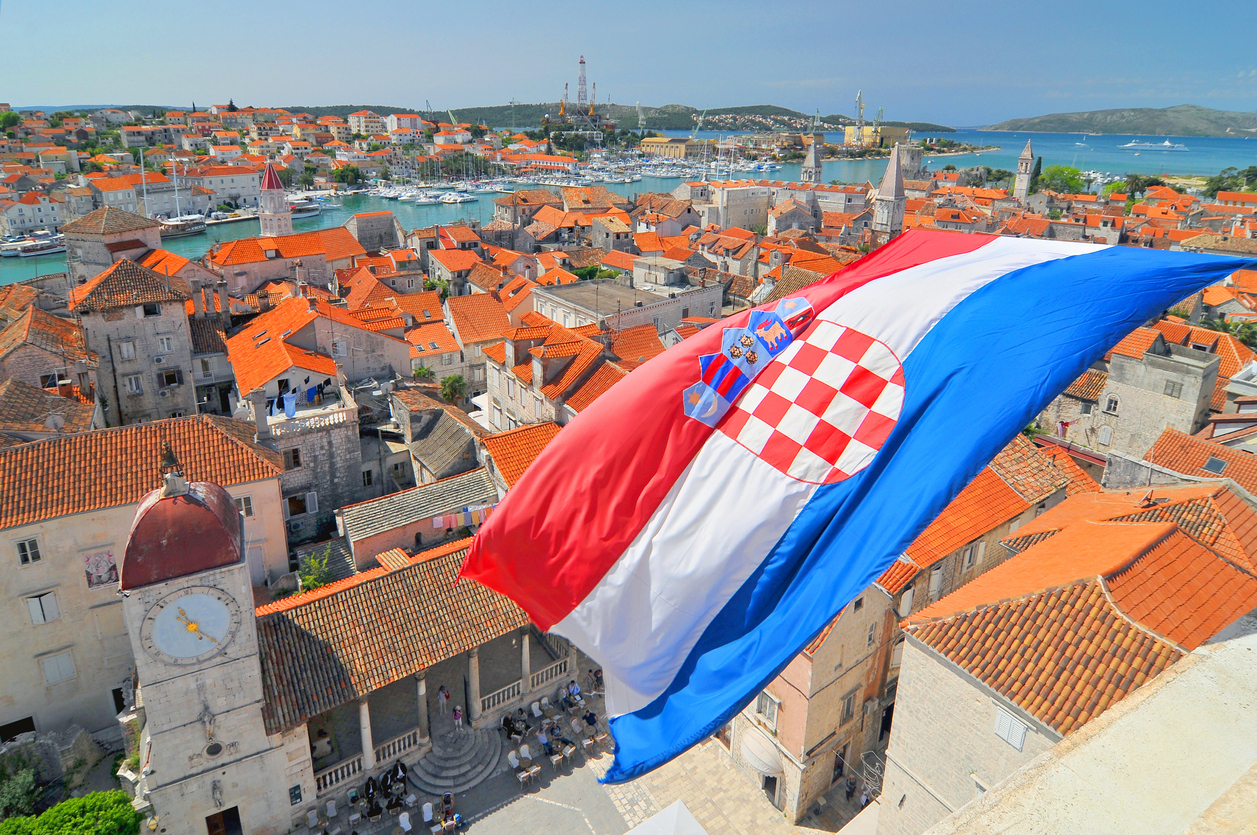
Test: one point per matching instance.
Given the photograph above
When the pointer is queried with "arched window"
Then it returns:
(1106, 435)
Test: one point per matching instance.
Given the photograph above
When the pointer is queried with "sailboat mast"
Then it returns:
(144, 184)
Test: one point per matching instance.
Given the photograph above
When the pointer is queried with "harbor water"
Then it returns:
(1205, 156)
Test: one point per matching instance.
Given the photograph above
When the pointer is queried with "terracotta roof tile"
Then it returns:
(327, 648)
(61, 337)
(477, 318)
(1089, 385)
(126, 284)
(112, 467)
(512, 451)
(606, 376)
(1185, 454)
(108, 220)
(431, 339)
(25, 408)
(1135, 344)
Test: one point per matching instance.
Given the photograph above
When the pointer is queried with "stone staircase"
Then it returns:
(460, 757)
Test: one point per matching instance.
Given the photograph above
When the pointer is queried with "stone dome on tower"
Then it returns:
(179, 530)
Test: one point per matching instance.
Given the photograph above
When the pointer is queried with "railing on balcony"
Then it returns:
(559, 647)
(297, 425)
(556, 670)
(343, 772)
(500, 697)
(395, 747)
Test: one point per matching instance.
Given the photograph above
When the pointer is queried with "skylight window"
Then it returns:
(1214, 465)
(432, 345)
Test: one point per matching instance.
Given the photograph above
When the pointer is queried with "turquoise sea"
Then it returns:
(1205, 156)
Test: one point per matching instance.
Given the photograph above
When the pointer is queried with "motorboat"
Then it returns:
(304, 207)
(48, 244)
(457, 197)
(178, 227)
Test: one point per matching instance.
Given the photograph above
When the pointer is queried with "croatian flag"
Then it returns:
(704, 519)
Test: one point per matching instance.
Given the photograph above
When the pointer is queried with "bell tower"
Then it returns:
(208, 764)
(813, 169)
(273, 211)
(890, 201)
(1025, 168)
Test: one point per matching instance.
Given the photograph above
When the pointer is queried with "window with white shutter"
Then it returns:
(43, 608)
(1009, 728)
(57, 668)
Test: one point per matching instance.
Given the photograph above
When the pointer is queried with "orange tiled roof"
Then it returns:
(126, 284)
(431, 339)
(112, 467)
(478, 317)
(606, 376)
(107, 221)
(61, 337)
(25, 408)
(1135, 344)
(1185, 454)
(1089, 385)
(424, 306)
(512, 451)
(163, 262)
(325, 648)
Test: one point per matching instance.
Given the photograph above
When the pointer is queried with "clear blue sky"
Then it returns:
(963, 62)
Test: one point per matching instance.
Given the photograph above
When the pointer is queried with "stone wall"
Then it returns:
(331, 468)
(104, 333)
(944, 745)
(1146, 404)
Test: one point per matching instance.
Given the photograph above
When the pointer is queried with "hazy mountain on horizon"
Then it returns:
(1180, 120)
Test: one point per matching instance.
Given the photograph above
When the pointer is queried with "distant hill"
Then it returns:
(1180, 120)
(916, 127)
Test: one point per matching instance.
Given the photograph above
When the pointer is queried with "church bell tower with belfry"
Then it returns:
(1025, 169)
(273, 211)
(207, 764)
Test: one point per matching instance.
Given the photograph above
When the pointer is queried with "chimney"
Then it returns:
(258, 399)
(223, 305)
(198, 300)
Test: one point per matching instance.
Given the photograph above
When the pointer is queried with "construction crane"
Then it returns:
(859, 115)
(563, 104)
(641, 119)
(454, 121)
(513, 103)
(431, 113)
(593, 97)
(698, 126)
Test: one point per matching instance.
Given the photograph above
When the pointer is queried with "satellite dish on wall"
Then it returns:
(54, 423)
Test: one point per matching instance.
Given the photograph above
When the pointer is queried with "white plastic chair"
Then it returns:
(331, 809)
(354, 817)
(555, 759)
(427, 813)
(521, 773)
(411, 800)
(536, 709)
(312, 818)
(525, 754)
(403, 820)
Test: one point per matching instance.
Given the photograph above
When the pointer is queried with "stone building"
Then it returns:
(65, 650)
(442, 440)
(544, 372)
(813, 168)
(97, 240)
(620, 307)
(46, 351)
(477, 321)
(1101, 594)
(828, 716)
(612, 233)
(375, 231)
(136, 323)
(311, 257)
(1146, 386)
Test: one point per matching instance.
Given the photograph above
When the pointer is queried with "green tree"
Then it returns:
(285, 176)
(1062, 179)
(1228, 179)
(306, 180)
(1000, 175)
(1137, 184)
(349, 174)
(385, 174)
(1245, 332)
(1035, 174)
(423, 373)
(478, 132)
(98, 813)
(1110, 188)
(10, 119)
(313, 569)
(18, 792)
(454, 388)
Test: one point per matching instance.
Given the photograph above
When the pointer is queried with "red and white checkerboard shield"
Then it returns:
(821, 410)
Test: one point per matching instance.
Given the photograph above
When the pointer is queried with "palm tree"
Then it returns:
(453, 388)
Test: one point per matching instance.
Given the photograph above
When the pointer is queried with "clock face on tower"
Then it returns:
(190, 625)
